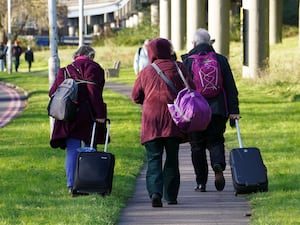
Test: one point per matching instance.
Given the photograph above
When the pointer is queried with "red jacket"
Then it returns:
(85, 69)
(153, 93)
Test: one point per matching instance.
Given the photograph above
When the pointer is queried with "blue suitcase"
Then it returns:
(249, 174)
(94, 169)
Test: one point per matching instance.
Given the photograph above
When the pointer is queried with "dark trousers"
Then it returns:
(211, 139)
(163, 178)
(29, 65)
(17, 63)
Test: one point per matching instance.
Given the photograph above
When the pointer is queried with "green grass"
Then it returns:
(32, 180)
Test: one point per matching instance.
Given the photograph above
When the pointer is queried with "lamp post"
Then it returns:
(81, 22)
(9, 43)
(53, 62)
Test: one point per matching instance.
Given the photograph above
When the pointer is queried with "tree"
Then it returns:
(29, 17)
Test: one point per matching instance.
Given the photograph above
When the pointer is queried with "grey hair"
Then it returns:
(84, 50)
(202, 36)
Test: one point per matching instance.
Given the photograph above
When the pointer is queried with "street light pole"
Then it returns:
(81, 22)
(53, 62)
(9, 42)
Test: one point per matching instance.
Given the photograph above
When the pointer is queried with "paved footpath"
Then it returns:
(194, 208)
(12, 102)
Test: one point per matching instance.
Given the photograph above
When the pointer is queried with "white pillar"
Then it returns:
(154, 14)
(196, 18)
(165, 19)
(218, 24)
(276, 7)
(140, 17)
(257, 52)
(178, 27)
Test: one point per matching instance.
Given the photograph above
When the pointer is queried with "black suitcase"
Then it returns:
(94, 169)
(249, 174)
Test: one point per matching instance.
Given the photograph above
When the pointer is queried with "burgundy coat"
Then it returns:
(81, 128)
(152, 92)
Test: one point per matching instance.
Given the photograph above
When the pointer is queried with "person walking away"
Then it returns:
(141, 58)
(158, 131)
(2, 56)
(16, 53)
(5, 54)
(70, 135)
(29, 57)
(224, 105)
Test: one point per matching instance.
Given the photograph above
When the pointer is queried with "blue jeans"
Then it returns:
(71, 158)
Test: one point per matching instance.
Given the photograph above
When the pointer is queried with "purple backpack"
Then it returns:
(207, 74)
(190, 111)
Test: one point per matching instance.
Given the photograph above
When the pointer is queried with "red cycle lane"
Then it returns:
(12, 103)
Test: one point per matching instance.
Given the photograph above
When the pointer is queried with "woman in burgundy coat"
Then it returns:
(69, 135)
(158, 131)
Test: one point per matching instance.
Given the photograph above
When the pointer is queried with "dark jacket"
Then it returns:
(16, 51)
(227, 101)
(88, 95)
(152, 92)
(29, 57)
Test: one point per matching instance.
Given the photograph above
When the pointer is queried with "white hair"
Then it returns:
(202, 36)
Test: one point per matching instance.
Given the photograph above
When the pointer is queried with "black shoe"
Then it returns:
(173, 202)
(156, 200)
(200, 188)
(219, 177)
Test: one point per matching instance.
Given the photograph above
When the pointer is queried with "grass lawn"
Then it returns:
(32, 180)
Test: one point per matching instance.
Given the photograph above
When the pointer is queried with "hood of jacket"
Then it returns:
(159, 48)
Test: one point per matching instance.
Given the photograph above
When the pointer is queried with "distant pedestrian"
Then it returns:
(2, 56)
(141, 58)
(29, 57)
(16, 53)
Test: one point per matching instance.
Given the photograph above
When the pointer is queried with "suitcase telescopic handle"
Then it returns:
(107, 121)
(107, 134)
(93, 135)
(238, 133)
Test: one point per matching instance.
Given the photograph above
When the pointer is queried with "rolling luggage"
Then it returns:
(94, 169)
(249, 174)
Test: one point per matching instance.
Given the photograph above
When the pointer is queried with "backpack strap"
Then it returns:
(78, 81)
(163, 76)
(181, 76)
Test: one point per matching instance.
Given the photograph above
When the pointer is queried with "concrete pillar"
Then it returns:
(71, 31)
(135, 20)
(178, 27)
(165, 19)
(96, 29)
(256, 31)
(218, 24)
(276, 7)
(154, 14)
(140, 17)
(196, 11)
